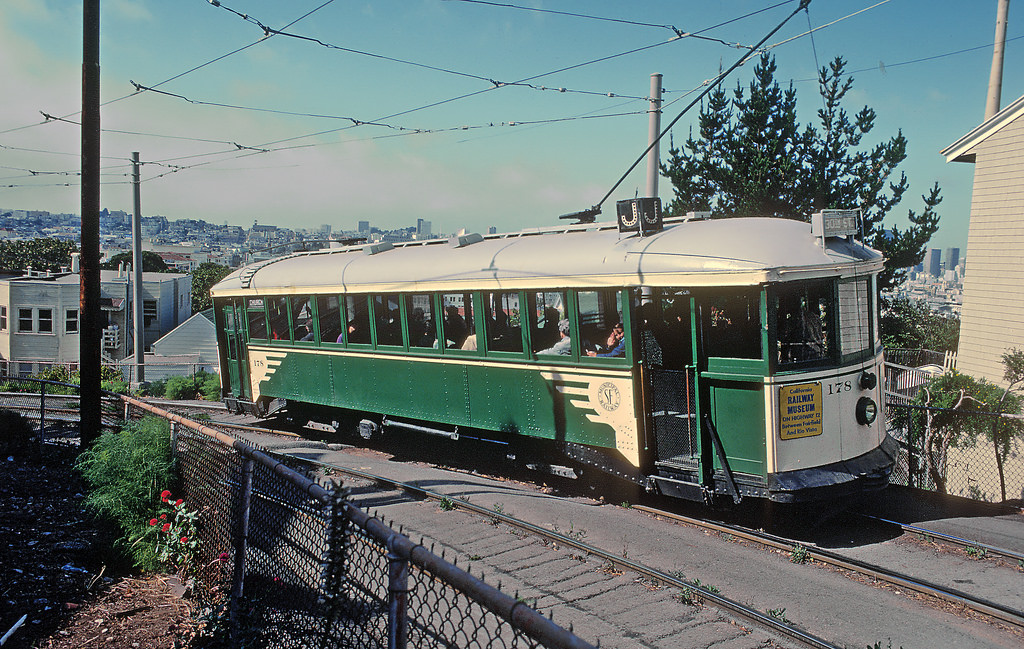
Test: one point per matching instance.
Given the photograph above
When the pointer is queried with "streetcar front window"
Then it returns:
(855, 316)
(804, 322)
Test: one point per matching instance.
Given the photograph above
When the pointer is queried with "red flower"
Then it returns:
(184, 539)
(152, 522)
(164, 495)
(178, 503)
(166, 527)
(223, 556)
(163, 517)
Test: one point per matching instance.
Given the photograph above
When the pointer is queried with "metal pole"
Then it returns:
(398, 598)
(137, 333)
(653, 132)
(91, 332)
(241, 543)
(42, 414)
(995, 78)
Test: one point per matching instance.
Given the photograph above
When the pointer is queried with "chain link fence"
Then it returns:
(52, 409)
(970, 466)
(305, 567)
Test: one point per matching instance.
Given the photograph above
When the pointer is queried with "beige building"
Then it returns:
(993, 300)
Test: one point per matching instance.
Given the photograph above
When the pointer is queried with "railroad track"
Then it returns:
(980, 605)
(690, 589)
(916, 584)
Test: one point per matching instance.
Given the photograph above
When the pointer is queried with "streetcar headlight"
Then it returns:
(868, 380)
(867, 411)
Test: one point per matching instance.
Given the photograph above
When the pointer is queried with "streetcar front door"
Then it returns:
(234, 357)
(667, 352)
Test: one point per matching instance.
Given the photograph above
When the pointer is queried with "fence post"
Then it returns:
(241, 543)
(42, 415)
(174, 438)
(398, 598)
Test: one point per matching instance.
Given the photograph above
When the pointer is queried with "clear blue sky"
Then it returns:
(425, 64)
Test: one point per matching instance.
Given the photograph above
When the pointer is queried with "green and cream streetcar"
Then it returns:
(700, 358)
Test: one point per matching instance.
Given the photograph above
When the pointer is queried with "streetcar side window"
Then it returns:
(457, 324)
(422, 327)
(277, 308)
(600, 328)
(503, 322)
(549, 327)
(388, 318)
(328, 309)
(257, 316)
(804, 322)
(855, 316)
(731, 324)
(357, 309)
(302, 318)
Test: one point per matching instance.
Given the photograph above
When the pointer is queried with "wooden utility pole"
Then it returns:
(995, 78)
(137, 321)
(91, 331)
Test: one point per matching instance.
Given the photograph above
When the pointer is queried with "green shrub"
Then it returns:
(126, 471)
(180, 387)
(211, 387)
(155, 388)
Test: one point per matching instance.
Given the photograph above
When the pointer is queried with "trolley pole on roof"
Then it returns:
(137, 322)
(653, 133)
(91, 332)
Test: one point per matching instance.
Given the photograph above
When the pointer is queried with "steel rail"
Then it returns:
(737, 608)
(953, 595)
(949, 538)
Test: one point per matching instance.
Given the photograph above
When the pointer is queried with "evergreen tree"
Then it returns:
(151, 262)
(753, 159)
(39, 254)
(204, 277)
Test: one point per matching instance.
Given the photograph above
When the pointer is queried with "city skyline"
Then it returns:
(228, 139)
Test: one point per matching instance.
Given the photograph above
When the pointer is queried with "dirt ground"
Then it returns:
(53, 569)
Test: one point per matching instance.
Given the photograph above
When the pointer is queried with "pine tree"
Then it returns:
(753, 159)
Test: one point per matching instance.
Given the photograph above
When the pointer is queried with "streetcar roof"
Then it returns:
(720, 252)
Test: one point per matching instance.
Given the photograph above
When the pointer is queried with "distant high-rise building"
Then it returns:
(933, 261)
(325, 229)
(952, 258)
(364, 227)
(422, 229)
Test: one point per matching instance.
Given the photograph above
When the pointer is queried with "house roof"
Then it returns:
(963, 149)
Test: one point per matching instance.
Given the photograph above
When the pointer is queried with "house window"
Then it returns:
(45, 323)
(71, 321)
(3, 318)
(148, 312)
(25, 320)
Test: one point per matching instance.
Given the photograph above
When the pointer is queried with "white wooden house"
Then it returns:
(993, 308)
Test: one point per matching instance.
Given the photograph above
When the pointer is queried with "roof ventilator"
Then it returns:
(377, 248)
(463, 240)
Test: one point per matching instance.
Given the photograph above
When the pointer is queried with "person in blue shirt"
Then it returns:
(615, 347)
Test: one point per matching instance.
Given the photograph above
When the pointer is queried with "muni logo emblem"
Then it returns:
(608, 396)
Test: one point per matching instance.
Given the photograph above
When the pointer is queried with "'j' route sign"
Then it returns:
(799, 410)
